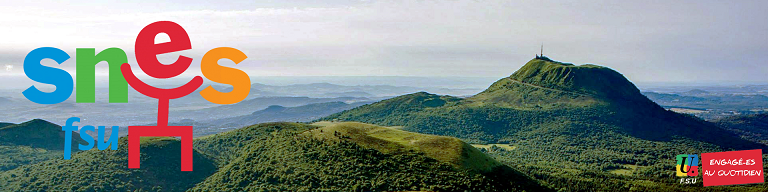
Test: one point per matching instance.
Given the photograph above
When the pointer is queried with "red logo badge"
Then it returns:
(732, 167)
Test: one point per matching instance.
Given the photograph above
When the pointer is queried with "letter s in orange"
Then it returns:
(239, 80)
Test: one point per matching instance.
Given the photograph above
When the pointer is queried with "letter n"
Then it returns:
(86, 74)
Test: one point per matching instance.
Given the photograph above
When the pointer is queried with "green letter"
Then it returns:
(86, 74)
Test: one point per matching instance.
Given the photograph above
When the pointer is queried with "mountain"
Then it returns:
(107, 170)
(587, 118)
(561, 83)
(351, 157)
(541, 92)
(750, 127)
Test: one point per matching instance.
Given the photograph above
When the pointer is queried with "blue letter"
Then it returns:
(68, 128)
(48, 75)
(112, 138)
(85, 135)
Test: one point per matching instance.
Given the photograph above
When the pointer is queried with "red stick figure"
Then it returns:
(146, 51)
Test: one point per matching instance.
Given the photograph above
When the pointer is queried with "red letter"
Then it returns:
(147, 50)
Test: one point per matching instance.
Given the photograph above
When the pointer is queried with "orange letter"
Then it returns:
(241, 83)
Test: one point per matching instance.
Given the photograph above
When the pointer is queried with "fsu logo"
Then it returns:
(687, 165)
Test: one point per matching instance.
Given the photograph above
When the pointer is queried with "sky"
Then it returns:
(647, 41)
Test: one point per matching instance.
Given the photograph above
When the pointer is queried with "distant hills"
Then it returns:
(319, 90)
(712, 106)
(274, 113)
(697, 92)
(277, 113)
(249, 106)
(142, 109)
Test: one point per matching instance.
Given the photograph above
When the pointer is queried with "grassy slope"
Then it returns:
(388, 140)
(288, 157)
(587, 79)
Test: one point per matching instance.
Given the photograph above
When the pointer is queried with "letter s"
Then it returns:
(86, 137)
(48, 75)
(239, 80)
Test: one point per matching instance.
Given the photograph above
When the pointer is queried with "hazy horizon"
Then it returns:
(20, 81)
(658, 41)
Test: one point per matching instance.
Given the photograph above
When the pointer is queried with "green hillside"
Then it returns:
(299, 157)
(281, 157)
(588, 119)
(750, 127)
(31, 142)
(593, 80)
(36, 133)
(448, 150)
(107, 170)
